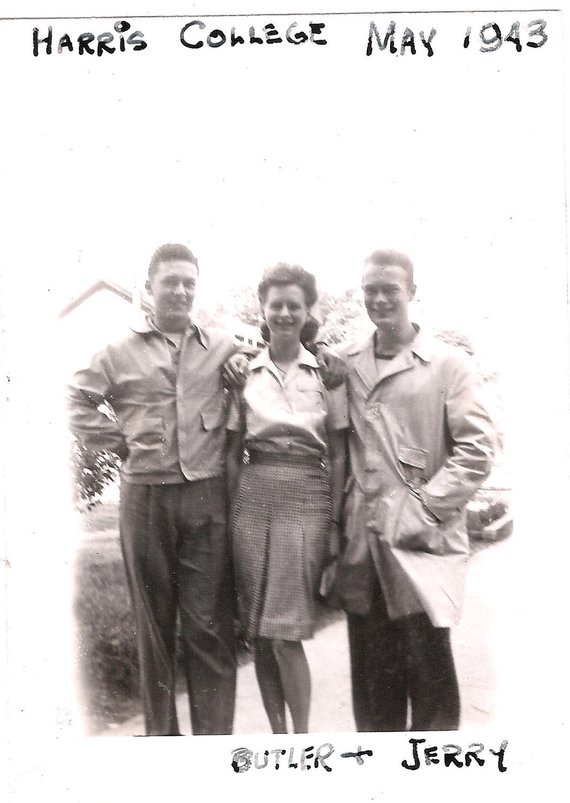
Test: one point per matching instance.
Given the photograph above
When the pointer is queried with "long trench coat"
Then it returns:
(421, 443)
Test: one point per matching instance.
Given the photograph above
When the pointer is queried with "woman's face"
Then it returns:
(285, 311)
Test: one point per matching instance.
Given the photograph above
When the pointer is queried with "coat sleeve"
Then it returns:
(471, 443)
(90, 391)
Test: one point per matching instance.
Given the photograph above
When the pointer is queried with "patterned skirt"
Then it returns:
(280, 529)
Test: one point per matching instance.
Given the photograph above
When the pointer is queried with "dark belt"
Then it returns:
(276, 458)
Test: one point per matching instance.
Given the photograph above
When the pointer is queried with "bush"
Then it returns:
(91, 472)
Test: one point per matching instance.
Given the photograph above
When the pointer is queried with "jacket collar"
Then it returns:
(263, 359)
(365, 362)
(146, 326)
(421, 345)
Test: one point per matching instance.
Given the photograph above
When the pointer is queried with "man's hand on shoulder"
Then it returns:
(333, 368)
(235, 370)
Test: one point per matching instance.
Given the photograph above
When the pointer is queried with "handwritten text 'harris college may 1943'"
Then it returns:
(387, 38)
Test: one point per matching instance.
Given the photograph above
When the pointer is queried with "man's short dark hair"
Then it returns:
(283, 274)
(168, 253)
(387, 256)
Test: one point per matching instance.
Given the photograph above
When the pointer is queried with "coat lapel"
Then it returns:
(366, 368)
(401, 362)
(365, 364)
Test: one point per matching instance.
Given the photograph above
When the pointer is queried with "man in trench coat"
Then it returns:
(421, 443)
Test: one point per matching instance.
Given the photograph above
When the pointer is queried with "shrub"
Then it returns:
(91, 472)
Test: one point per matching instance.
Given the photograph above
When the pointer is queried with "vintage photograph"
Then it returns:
(300, 402)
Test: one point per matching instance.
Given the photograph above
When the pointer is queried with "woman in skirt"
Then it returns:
(286, 466)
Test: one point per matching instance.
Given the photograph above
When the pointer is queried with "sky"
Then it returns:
(305, 153)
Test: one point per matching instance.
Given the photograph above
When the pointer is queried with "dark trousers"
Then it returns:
(176, 554)
(400, 663)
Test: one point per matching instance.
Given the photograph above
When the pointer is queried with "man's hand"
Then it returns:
(122, 451)
(415, 528)
(234, 371)
(333, 367)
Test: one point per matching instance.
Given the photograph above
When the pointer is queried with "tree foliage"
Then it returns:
(455, 338)
(342, 316)
(241, 302)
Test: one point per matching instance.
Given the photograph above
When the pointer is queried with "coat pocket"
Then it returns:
(407, 526)
(146, 443)
(414, 462)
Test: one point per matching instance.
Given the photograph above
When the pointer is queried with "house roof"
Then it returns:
(242, 332)
(102, 284)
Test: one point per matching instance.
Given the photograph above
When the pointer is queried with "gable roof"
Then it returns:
(102, 284)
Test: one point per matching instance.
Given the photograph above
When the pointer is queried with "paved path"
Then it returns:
(474, 640)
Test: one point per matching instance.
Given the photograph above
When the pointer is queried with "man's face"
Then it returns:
(173, 287)
(387, 293)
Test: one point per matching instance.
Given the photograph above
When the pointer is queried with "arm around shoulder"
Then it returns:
(332, 366)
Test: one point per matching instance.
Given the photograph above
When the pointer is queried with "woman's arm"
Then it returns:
(338, 470)
(234, 451)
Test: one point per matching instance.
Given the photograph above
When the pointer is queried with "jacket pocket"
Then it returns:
(413, 456)
(212, 418)
(414, 463)
(146, 444)
(408, 527)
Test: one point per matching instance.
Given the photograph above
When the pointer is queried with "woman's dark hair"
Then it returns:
(283, 274)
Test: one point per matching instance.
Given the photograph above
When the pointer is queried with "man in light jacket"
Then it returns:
(421, 443)
(163, 382)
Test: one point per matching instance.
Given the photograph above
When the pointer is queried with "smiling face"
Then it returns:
(387, 293)
(285, 311)
(173, 286)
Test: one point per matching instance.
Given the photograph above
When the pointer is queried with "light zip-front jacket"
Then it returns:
(168, 402)
(421, 443)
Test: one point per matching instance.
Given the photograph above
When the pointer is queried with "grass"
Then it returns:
(103, 518)
(106, 653)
